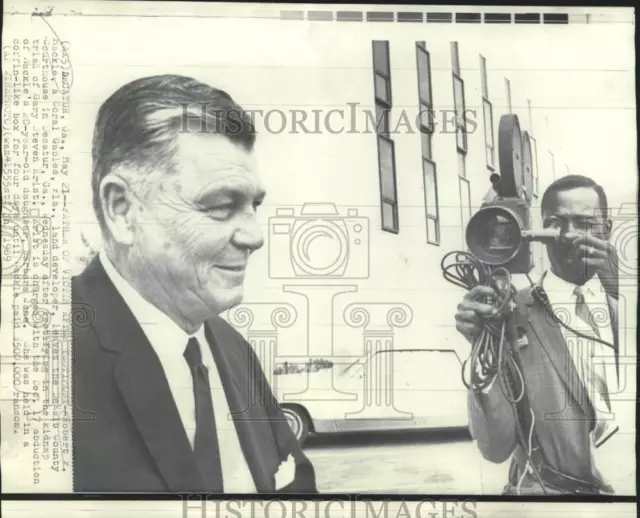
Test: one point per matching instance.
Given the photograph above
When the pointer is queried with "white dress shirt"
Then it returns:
(169, 341)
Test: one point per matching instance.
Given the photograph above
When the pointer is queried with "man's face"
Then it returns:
(575, 210)
(195, 230)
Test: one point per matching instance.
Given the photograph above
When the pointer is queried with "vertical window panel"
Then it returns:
(462, 167)
(461, 139)
(458, 98)
(426, 140)
(387, 169)
(483, 76)
(455, 58)
(382, 120)
(465, 201)
(488, 132)
(424, 76)
(426, 118)
(381, 57)
(433, 231)
(534, 156)
(382, 89)
(459, 105)
(430, 187)
(389, 217)
(427, 126)
(386, 151)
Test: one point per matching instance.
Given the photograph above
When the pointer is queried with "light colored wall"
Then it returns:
(316, 66)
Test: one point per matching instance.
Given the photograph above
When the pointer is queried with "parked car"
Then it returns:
(388, 390)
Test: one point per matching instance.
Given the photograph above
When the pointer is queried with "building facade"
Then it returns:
(374, 161)
(366, 191)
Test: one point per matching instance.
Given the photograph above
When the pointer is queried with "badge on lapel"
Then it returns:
(286, 473)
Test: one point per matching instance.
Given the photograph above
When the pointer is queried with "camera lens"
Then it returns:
(494, 235)
(501, 234)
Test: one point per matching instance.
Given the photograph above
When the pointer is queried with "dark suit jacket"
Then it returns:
(127, 433)
(564, 416)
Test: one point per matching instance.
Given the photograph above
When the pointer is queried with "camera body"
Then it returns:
(499, 234)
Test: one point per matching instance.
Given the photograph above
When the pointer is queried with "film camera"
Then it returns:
(500, 232)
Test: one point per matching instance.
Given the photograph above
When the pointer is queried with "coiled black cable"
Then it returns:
(490, 356)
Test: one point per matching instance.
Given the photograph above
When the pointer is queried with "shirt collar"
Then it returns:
(555, 284)
(166, 337)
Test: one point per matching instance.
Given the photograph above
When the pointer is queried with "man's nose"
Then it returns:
(249, 234)
(572, 227)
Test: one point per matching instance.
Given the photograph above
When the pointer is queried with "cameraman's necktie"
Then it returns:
(206, 448)
(595, 372)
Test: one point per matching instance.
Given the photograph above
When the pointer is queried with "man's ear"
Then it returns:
(117, 201)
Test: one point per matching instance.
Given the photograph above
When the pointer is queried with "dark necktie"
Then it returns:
(205, 446)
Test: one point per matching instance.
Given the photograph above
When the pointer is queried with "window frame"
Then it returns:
(462, 180)
(383, 134)
(385, 75)
(507, 85)
(534, 154)
(484, 81)
(387, 82)
(432, 214)
(384, 199)
(422, 101)
(385, 113)
(492, 147)
(460, 126)
(461, 158)
(455, 57)
(431, 217)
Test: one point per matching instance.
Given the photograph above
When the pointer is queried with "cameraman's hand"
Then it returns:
(596, 254)
(472, 312)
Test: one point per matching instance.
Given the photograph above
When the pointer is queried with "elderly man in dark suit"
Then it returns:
(566, 413)
(162, 385)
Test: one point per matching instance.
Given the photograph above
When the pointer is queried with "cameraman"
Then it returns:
(566, 411)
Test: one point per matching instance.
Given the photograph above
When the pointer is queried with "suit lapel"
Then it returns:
(146, 392)
(613, 314)
(140, 377)
(549, 336)
(250, 419)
